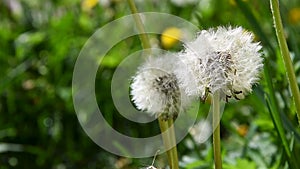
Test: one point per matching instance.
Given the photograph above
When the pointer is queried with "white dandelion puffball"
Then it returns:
(155, 89)
(224, 59)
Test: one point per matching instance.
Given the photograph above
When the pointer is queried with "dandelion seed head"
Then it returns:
(155, 88)
(225, 59)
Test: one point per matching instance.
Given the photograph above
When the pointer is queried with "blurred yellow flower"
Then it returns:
(87, 5)
(242, 130)
(294, 15)
(170, 37)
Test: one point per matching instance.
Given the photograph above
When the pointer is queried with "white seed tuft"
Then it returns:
(224, 59)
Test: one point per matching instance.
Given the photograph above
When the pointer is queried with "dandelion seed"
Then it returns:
(224, 59)
(151, 166)
(155, 88)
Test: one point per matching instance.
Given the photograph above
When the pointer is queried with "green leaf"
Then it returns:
(197, 165)
(241, 163)
(245, 164)
(278, 125)
(26, 41)
(279, 128)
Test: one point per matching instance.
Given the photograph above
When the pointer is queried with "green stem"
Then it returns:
(173, 150)
(216, 133)
(286, 55)
(168, 135)
(143, 37)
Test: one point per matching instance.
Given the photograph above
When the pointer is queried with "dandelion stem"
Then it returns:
(168, 135)
(143, 37)
(216, 133)
(286, 55)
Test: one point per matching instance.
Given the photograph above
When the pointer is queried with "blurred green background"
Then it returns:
(39, 44)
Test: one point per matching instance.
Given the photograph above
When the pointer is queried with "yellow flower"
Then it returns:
(242, 130)
(294, 15)
(87, 5)
(170, 37)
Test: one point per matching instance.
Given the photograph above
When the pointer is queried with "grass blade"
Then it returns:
(286, 55)
(279, 128)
